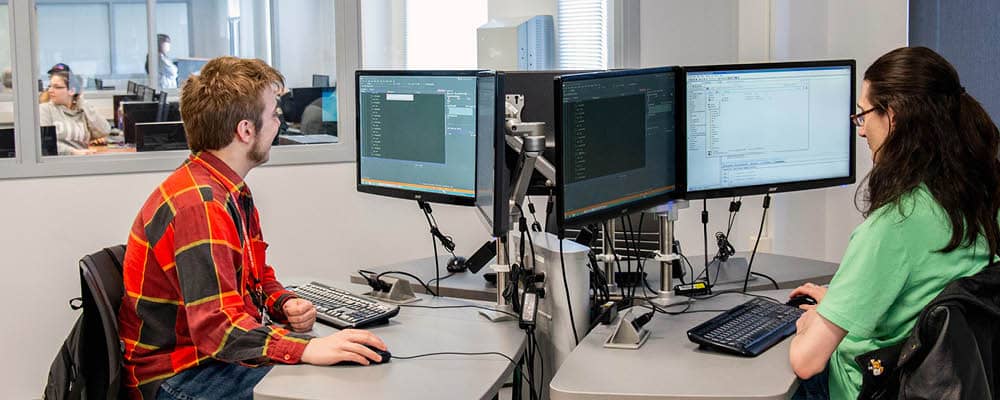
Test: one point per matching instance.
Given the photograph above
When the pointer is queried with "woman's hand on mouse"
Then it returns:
(810, 289)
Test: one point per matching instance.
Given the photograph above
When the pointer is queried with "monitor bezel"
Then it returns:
(498, 221)
(626, 208)
(780, 187)
(406, 193)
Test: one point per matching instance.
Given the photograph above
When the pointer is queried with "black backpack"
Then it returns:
(88, 365)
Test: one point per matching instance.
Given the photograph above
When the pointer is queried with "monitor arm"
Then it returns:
(528, 140)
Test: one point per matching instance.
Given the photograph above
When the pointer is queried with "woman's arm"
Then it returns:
(814, 343)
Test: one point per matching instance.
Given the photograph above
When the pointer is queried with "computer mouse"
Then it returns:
(386, 356)
(800, 300)
(456, 264)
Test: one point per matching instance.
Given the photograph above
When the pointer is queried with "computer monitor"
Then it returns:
(160, 136)
(492, 175)
(618, 143)
(134, 112)
(162, 107)
(416, 134)
(50, 143)
(148, 94)
(329, 96)
(300, 98)
(321, 80)
(7, 144)
(766, 128)
(187, 67)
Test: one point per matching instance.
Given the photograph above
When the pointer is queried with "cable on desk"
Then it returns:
(736, 292)
(461, 306)
(450, 274)
(362, 272)
(455, 353)
(768, 278)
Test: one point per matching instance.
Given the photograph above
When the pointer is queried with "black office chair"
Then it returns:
(102, 288)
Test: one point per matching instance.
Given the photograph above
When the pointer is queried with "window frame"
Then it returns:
(28, 162)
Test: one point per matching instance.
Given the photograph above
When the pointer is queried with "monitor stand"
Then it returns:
(732, 270)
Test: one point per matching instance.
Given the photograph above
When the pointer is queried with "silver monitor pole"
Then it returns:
(666, 215)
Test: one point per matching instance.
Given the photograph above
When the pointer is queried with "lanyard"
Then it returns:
(244, 205)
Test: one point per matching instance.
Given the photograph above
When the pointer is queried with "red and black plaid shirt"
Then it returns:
(195, 277)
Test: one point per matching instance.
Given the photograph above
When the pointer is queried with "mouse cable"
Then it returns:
(461, 306)
(455, 353)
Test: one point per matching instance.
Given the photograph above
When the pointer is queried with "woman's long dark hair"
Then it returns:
(939, 136)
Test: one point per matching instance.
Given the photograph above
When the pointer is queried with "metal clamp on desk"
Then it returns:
(627, 335)
(399, 291)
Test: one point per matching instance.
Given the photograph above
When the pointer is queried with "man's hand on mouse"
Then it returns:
(346, 345)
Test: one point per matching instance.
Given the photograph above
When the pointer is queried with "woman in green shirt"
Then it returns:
(930, 202)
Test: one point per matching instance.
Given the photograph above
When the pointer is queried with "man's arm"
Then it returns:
(206, 250)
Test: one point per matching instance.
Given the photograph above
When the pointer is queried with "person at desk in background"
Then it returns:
(931, 206)
(200, 295)
(43, 97)
(166, 67)
(8, 80)
(77, 124)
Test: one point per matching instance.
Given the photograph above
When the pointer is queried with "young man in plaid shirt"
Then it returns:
(198, 291)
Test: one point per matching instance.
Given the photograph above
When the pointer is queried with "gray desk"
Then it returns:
(669, 366)
(789, 271)
(463, 285)
(414, 331)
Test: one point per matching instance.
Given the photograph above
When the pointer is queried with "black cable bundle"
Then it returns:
(446, 241)
(763, 216)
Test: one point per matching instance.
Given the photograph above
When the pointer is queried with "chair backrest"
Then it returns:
(102, 288)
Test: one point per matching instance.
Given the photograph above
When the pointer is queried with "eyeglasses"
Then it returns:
(859, 118)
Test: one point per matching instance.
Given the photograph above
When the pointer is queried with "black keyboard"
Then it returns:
(747, 329)
(342, 309)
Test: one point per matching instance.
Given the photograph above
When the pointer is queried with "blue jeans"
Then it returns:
(215, 380)
(815, 388)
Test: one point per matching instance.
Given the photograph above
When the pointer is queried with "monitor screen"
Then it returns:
(754, 129)
(417, 134)
(492, 178)
(320, 80)
(329, 104)
(618, 143)
(187, 67)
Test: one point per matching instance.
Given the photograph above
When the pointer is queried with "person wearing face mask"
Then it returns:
(165, 66)
(77, 124)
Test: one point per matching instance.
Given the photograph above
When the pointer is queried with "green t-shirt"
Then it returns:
(890, 272)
